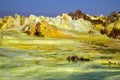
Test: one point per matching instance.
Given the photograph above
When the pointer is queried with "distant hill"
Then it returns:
(7, 13)
(11, 13)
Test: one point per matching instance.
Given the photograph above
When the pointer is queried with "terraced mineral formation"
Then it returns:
(57, 27)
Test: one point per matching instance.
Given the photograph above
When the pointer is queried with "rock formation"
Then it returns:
(64, 26)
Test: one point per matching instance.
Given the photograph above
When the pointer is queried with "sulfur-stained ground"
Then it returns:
(32, 58)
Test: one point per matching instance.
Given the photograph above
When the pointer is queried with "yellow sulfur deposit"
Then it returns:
(117, 24)
(62, 26)
(1, 22)
(7, 25)
(98, 27)
(32, 30)
(51, 31)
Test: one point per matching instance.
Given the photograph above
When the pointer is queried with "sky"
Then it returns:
(57, 7)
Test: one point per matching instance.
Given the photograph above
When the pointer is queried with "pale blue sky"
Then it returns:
(56, 7)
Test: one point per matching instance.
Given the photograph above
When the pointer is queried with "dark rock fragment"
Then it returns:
(73, 58)
(84, 59)
(76, 59)
(115, 33)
